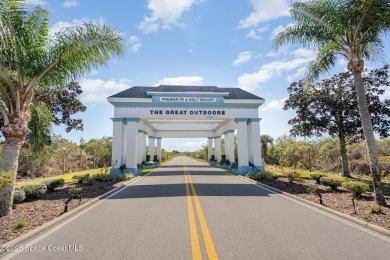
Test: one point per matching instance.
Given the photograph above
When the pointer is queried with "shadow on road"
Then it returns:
(179, 190)
(181, 173)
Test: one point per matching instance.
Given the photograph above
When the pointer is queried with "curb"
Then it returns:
(63, 217)
(360, 222)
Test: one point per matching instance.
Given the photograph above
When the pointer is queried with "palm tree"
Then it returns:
(351, 29)
(31, 57)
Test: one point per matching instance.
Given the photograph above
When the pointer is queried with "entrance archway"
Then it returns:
(170, 111)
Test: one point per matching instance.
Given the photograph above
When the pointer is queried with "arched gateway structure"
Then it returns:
(170, 111)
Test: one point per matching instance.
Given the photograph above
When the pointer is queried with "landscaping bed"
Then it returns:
(340, 200)
(48, 207)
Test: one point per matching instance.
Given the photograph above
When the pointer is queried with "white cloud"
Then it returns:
(253, 35)
(252, 81)
(191, 144)
(97, 90)
(243, 57)
(297, 75)
(264, 11)
(70, 3)
(165, 13)
(58, 26)
(182, 80)
(274, 105)
(135, 43)
(304, 53)
(280, 51)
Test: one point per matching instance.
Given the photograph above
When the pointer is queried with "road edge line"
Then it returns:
(66, 216)
(360, 222)
(355, 220)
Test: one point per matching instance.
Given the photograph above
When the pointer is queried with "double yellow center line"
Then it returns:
(196, 251)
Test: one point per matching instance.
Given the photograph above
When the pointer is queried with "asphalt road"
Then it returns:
(188, 210)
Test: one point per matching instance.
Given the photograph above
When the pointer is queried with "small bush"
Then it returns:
(331, 182)
(6, 179)
(89, 181)
(293, 176)
(19, 196)
(259, 176)
(212, 158)
(376, 209)
(81, 178)
(34, 191)
(223, 157)
(53, 184)
(388, 222)
(234, 166)
(317, 177)
(355, 187)
(311, 189)
(75, 192)
(148, 157)
(20, 225)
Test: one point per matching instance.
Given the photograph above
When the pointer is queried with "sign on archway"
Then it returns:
(169, 111)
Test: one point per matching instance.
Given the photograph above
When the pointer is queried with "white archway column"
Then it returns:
(230, 146)
(132, 145)
(117, 145)
(256, 151)
(250, 143)
(151, 147)
(217, 148)
(159, 148)
(225, 142)
(242, 142)
(141, 144)
(210, 147)
(144, 147)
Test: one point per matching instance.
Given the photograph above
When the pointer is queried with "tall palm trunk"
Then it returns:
(9, 163)
(344, 156)
(369, 135)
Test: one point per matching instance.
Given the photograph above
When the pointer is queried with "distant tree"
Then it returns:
(265, 141)
(351, 30)
(63, 102)
(330, 106)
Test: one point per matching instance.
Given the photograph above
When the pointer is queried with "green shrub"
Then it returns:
(148, 158)
(376, 209)
(388, 222)
(311, 189)
(355, 187)
(19, 196)
(212, 158)
(223, 157)
(258, 176)
(317, 177)
(89, 181)
(81, 178)
(6, 179)
(53, 184)
(20, 225)
(292, 176)
(75, 192)
(331, 182)
(35, 190)
(234, 166)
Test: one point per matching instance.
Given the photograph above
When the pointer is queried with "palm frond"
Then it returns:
(325, 59)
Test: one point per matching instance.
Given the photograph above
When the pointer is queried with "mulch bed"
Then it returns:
(48, 207)
(340, 200)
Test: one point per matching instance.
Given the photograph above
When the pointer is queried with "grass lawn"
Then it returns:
(67, 177)
(305, 174)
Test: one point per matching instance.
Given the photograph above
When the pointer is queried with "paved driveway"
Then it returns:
(188, 210)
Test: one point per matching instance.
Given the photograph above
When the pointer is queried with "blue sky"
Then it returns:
(198, 42)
